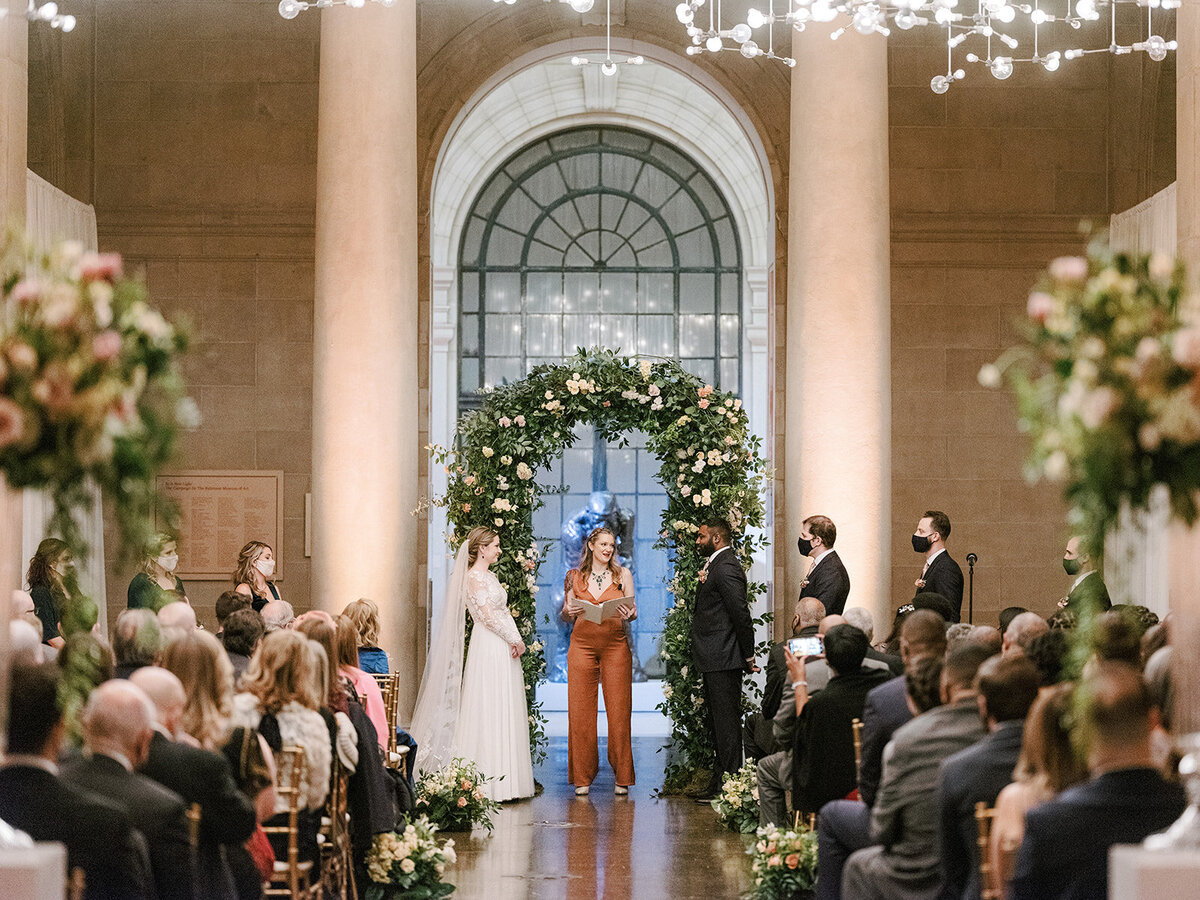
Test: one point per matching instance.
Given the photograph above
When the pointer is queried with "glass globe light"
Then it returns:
(68, 24)
(289, 9)
(581, 6)
(683, 12)
(1156, 48)
(1039, 17)
(865, 20)
(1086, 9)
(636, 60)
(694, 51)
(48, 12)
(1052, 62)
(609, 68)
(741, 32)
(387, 4)
(750, 50)
(906, 19)
(1005, 13)
(579, 61)
(823, 11)
(1002, 67)
(754, 18)
(713, 44)
(940, 84)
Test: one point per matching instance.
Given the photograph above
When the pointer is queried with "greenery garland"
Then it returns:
(711, 466)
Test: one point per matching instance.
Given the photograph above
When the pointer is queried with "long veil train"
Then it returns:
(435, 718)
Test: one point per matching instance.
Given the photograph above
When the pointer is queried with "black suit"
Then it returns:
(1091, 594)
(226, 814)
(1065, 852)
(974, 775)
(759, 734)
(153, 810)
(946, 578)
(98, 835)
(829, 582)
(885, 710)
(722, 642)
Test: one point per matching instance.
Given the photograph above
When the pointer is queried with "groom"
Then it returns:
(722, 646)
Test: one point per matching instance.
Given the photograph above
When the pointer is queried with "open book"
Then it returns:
(598, 612)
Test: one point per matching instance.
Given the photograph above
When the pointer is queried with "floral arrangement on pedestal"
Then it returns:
(710, 466)
(783, 863)
(453, 799)
(1107, 381)
(409, 864)
(737, 804)
(90, 395)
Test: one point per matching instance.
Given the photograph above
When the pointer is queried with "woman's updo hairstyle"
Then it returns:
(478, 538)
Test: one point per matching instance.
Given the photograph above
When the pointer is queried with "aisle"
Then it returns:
(602, 846)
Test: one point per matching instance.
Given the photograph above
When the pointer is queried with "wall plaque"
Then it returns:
(219, 511)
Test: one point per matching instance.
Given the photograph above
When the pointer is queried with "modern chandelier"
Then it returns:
(49, 14)
(609, 66)
(996, 34)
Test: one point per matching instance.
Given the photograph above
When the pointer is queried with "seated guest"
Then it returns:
(1117, 636)
(25, 641)
(157, 584)
(23, 608)
(278, 615)
(118, 723)
(244, 629)
(99, 665)
(957, 633)
(1008, 614)
(904, 860)
(818, 672)
(1048, 653)
(823, 765)
(1067, 839)
(98, 835)
(1087, 595)
(282, 698)
(365, 616)
(176, 619)
(861, 618)
(758, 733)
(925, 600)
(227, 604)
(202, 667)
(988, 638)
(198, 776)
(1006, 688)
(136, 640)
(827, 579)
(1023, 629)
(1047, 765)
(845, 825)
(366, 688)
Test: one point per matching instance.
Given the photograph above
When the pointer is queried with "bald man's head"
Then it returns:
(165, 691)
(176, 618)
(830, 622)
(119, 719)
(278, 615)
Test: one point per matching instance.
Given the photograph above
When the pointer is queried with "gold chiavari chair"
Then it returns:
(397, 757)
(337, 858)
(989, 882)
(193, 822)
(292, 877)
(857, 726)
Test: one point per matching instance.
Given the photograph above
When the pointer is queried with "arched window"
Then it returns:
(600, 236)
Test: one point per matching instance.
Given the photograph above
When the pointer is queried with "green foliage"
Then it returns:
(737, 805)
(409, 864)
(710, 465)
(452, 798)
(784, 862)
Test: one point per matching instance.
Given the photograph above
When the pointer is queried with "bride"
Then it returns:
(477, 712)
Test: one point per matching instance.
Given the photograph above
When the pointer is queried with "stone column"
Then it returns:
(837, 425)
(365, 325)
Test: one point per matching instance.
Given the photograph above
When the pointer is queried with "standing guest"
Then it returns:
(199, 662)
(366, 688)
(137, 640)
(599, 656)
(1006, 689)
(758, 734)
(1047, 765)
(940, 574)
(278, 615)
(722, 646)
(1088, 593)
(156, 584)
(227, 604)
(827, 578)
(1020, 633)
(176, 619)
(48, 567)
(252, 577)
(243, 631)
(860, 617)
(365, 616)
(1067, 839)
(198, 776)
(904, 861)
(98, 835)
(118, 724)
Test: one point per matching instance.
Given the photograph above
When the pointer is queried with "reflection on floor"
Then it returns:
(602, 846)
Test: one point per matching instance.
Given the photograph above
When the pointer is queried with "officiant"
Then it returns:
(599, 655)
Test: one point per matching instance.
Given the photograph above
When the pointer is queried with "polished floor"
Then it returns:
(602, 846)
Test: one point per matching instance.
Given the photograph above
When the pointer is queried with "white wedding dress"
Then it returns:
(477, 711)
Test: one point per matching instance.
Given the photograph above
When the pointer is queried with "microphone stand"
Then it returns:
(972, 558)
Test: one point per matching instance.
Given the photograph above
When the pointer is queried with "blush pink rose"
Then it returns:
(1072, 269)
(100, 267)
(1186, 348)
(1040, 306)
(106, 345)
(462, 801)
(703, 403)
(25, 291)
(12, 422)
(22, 356)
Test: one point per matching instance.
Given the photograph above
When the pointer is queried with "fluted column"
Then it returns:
(837, 424)
(365, 324)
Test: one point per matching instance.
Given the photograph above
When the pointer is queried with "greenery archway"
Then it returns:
(710, 465)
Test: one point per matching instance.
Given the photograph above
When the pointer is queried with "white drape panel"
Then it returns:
(1137, 554)
(52, 216)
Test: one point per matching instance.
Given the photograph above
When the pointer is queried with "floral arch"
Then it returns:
(710, 465)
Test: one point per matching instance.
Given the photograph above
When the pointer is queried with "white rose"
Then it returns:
(989, 376)
(407, 866)
(488, 452)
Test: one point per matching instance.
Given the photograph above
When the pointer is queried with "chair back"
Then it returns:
(292, 877)
(856, 726)
(193, 823)
(990, 887)
(390, 688)
(337, 855)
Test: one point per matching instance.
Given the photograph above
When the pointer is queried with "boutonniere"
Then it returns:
(703, 576)
(920, 583)
(804, 584)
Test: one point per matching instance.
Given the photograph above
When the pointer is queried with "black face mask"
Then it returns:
(1072, 566)
(805, 546)
(921, 543)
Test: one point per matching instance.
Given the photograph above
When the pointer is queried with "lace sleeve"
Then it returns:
(488, 609)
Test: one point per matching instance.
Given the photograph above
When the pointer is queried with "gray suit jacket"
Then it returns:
(904, 818)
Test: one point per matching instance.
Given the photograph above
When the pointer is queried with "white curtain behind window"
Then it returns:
(52, 216)
(1137, 554)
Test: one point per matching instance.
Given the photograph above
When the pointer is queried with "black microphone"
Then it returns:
(972, 558)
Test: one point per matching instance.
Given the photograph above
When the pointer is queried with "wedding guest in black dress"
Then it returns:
(255, 568)
(47, 568)
(157, 585)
